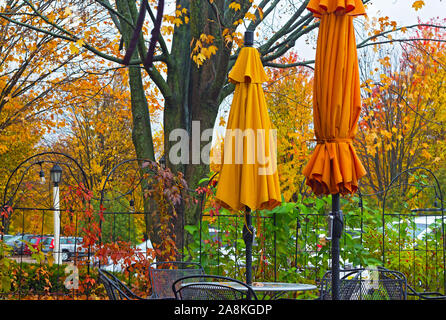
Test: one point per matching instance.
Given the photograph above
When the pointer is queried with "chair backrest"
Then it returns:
(210, 287)
(376, 284)
(347, 286)
(116, 290)
(163, 274)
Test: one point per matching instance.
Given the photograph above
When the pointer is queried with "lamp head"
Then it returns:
(56, 174)
(249, 38)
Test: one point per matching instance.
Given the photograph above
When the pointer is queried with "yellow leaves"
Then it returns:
(367, 89)
(208, 52)
(177, 22)
(426, 154)
(237, 22)
(3, 148)
(371, 150)
(68, 11)
(250, 16)
(386, 134)
(51, 17)
(178, 19)
(385, 61)
(167, 30)
(198, 59)
(417, 5)
(234, 6)
(95, 168)
(207, 38)
(74, 46)
(200, 53)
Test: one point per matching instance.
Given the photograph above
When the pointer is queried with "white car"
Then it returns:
(120, 265)
(419, 227)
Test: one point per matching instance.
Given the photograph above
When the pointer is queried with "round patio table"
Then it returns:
(273, 290)
(276, 289)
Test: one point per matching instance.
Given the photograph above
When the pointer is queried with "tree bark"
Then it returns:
(141, 130)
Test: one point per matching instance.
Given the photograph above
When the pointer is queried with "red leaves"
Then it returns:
(6, 211)
(167, 190)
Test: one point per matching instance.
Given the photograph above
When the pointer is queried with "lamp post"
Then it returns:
(56, 176)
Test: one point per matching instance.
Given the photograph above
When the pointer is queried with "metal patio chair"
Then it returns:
(115, 288)
(210, 287)
(356, 284)
(425, 295)
(163, 274)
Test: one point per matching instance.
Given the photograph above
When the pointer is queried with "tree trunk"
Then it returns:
(196, 95)
(141, 130)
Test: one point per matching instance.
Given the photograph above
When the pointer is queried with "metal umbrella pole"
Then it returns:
(248, 238)
(336, 232)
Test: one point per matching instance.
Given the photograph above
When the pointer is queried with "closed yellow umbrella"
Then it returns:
(252, 180)
(334, 168)
(248, 178)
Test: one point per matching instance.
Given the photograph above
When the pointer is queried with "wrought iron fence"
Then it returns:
(291, 244)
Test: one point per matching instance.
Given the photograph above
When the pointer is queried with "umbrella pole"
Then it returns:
(248, 237)
(335, 253)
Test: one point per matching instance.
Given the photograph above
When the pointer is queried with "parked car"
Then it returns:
(68, 247)
(19, 245)
(48, 244)
(35, 242)
(11, 239)
(7, 237)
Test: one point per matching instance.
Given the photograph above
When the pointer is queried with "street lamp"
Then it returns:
(56, 177)
(56, 174)
(132, 206)
(41, 174)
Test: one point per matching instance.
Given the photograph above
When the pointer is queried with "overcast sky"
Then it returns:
(400, 11)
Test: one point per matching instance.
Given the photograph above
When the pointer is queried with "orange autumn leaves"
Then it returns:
(402, 125)
(289, 98)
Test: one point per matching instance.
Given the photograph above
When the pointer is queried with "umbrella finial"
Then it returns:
(249, 38)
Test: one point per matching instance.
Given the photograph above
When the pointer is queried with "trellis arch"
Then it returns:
(28, 188)
(413, 229)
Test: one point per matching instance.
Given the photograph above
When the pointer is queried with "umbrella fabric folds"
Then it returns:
(248, 176)
(334, 166)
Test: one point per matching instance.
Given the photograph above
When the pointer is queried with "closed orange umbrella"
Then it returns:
(334, 168)
(248, 178)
